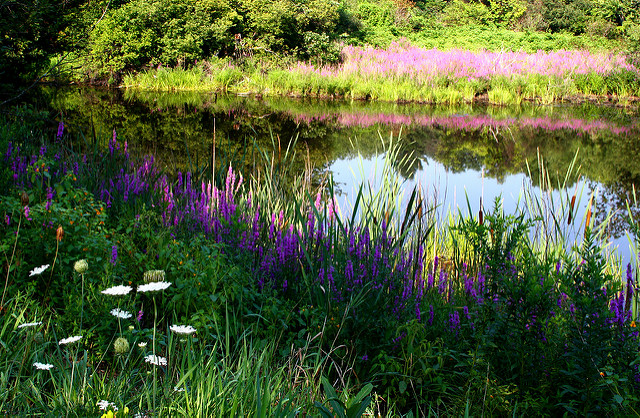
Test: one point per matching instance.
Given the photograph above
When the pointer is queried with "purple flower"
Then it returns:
(114, 254)
(454, 321)
(60, 130)
(49, 198)
(139, 317)
(26, 213)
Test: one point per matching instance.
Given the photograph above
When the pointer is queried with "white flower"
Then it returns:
(38, 270)
(117, 312)
(30, 324)
(42, 366)
(117, 290)
(106, 404)
(153, 287)
(177, 389)
(153, 359)
(182, 329)
(142, 345)
(70, 340)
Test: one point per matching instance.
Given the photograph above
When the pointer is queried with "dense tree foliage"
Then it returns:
(109, 39)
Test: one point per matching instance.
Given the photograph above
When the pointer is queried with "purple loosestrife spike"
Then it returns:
(114, 254)
(139, 317)
(454, 322)
(49, 198)
(60, 130)
(431, 314)
(629, 285)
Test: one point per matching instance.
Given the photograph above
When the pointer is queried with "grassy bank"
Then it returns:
(406, 73)
(223, 294)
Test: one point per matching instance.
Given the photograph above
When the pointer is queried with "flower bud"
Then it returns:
(81, 266)
(121, 345)
(151, 276)
(59, 233)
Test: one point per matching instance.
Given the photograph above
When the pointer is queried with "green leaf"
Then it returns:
(402, 386)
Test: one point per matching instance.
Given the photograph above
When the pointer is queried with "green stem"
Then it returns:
(153, 343)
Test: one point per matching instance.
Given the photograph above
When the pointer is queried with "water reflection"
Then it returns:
(452, 146)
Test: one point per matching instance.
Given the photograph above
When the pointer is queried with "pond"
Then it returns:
(462, 157)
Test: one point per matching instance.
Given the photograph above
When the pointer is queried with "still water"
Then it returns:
(460, 156)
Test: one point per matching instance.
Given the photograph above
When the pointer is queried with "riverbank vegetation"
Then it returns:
(404, 73)
(215, 292)
(251, 46)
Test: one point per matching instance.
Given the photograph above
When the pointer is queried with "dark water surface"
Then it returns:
(462, 153)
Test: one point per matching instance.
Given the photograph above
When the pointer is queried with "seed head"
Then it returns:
(152, 276)
(121, 345)
(81, 266)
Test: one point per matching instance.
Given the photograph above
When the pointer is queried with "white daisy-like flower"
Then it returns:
(119, 313)
(38, 270)
(153, 359)
(42, 366)
(177, 389)
(106, 404)
(153, 287)
(182, 329)
(142, 344)
(30, 324)
(70, 340)
(117, 290)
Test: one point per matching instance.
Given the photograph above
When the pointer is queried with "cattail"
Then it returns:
(480, 217)
(586, 225)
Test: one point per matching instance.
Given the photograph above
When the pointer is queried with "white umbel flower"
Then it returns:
(106, 405)
(182, 329)
(38, 270)
(70, 340)
(30, 324)
(117, 290)
(153, 359)
(119, 313)
(42, 366)
(153, 287)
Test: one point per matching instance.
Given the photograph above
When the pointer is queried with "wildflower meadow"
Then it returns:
(130, 291)
(403, 72)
